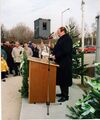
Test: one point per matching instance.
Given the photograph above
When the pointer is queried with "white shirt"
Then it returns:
(17, 53)
(28, 52)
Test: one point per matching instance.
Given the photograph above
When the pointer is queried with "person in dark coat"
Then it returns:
(35, 50)
(3, 52)
(10, 62)
(63, 57)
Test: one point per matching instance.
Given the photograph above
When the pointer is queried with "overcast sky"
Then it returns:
(13, 12)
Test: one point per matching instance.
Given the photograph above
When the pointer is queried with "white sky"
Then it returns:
(13, 12)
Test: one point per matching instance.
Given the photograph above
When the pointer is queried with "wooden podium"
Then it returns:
(38, 80)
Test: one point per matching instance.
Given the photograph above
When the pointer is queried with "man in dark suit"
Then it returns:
(63, 57)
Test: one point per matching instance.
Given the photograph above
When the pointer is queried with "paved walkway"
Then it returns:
(11, 99)
(15, 108)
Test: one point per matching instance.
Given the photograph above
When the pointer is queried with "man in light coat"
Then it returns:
(17, 53)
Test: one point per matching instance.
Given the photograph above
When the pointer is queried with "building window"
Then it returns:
(44, 26)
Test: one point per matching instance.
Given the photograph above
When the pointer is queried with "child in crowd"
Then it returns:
(4, 68)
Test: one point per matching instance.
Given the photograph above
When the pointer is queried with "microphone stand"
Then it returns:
(48, 87)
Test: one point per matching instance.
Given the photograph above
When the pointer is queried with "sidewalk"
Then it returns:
(15, 108)
(39, 111)
(11, 98)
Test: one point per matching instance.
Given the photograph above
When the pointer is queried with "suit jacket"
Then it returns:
(63, 55)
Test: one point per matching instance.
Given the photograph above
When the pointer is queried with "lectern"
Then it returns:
(38, 80)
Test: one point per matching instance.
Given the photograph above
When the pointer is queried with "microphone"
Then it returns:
(50, 36)
(51, 33)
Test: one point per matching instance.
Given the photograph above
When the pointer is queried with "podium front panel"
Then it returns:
(39, 78)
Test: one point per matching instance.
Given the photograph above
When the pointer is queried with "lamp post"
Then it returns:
(98, 40)
(62, 15)
(82, 8)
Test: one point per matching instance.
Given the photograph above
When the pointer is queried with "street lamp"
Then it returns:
(82, 8)
(62, 15)
(98, 39)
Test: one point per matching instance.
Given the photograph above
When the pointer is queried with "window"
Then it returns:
(44, 26)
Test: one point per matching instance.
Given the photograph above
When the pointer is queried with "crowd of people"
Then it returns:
(12, 54)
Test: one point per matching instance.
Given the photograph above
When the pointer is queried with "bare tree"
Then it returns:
(22, 33)
(4, 33)
(94, 28)
(73, 30)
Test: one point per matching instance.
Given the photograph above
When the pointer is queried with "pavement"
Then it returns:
(16, 108)
(10, 98)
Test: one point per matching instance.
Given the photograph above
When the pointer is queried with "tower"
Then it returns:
(41, 28)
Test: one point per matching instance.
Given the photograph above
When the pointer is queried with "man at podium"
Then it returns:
(63, 57)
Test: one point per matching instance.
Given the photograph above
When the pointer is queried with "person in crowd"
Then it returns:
(12, 43)
(3, 52)
(8, 49)
(28, 50)
(4, 68)
(30, 44)
(44, 50)
(35, 50)
(17, 53)
(63, 57)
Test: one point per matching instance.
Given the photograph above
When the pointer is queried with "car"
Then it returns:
(88, 49)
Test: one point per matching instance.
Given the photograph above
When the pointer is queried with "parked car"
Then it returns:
(88, 49)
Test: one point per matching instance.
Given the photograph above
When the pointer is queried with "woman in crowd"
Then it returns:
(28, 50)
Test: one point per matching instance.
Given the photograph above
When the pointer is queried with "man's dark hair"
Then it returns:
(63, 29)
